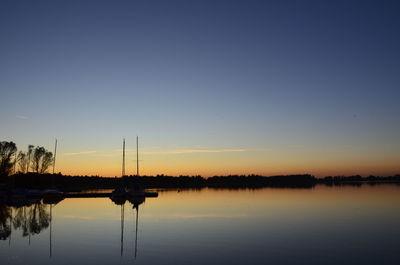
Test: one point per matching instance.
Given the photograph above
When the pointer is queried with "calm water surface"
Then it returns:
(344, 225)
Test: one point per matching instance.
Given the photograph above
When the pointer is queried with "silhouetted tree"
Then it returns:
(22, 160)
(42, 159)
(7, 151)
(29, 154)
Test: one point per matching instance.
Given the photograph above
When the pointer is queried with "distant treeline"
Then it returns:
(30, 169)
(71, 183)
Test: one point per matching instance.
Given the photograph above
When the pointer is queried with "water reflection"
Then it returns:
(31, 218)
(345, 225)
(5, 226)
(29, 215)
(136, 201)
(34, 215)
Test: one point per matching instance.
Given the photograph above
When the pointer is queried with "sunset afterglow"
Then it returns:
(209, 88)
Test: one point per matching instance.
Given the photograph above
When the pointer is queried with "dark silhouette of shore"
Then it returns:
(33, 163)
(71, 183)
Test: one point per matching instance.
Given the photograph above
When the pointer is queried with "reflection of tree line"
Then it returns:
(31, 219)
(35, 217)
(5, 222)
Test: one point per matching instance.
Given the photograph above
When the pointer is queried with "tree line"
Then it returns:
(34, 159)
(77, 183)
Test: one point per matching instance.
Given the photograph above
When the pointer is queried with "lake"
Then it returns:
(320, 225)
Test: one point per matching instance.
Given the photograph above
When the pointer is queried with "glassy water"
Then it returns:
(323, 225)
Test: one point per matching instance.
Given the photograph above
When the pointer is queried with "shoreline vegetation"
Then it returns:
(30, 169)
(78, 183)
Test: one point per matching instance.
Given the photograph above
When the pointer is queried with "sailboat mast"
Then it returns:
(137, 156)
(123, 157)
(55, 154)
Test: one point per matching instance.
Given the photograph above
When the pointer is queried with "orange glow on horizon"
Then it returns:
(234, 161)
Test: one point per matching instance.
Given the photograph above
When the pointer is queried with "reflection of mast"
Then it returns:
(51, 219)
(137, 198)
(122, 227)
(136, 230)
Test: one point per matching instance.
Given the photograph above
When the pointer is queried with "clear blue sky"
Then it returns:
(210, 86)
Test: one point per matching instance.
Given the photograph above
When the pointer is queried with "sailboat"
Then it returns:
(118, 195)
(135, 193)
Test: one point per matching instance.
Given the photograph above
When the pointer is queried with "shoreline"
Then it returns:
(76, 183)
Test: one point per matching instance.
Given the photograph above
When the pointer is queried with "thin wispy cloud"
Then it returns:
(80, 153)
(126, 150)
(21, 117)
(106, 155)
(117, 152)
(197, 216)
(192, 151)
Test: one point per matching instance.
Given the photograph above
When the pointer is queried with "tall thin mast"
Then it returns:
(123, 157)
(137, 156)
(55, 154)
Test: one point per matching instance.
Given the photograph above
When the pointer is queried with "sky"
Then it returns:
(210, 87)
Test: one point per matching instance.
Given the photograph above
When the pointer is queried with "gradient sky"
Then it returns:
(210, 87)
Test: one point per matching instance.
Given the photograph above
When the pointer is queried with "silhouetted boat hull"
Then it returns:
(52, 200)
(136, 200)
(52, 196)
(118, 200)
(120, 195)
(141, 193)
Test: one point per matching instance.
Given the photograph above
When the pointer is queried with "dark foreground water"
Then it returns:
(344, 225)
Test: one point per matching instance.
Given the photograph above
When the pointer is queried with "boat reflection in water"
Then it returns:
(136, 197)
(33, 212)
(28, 210)
(326, 225)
